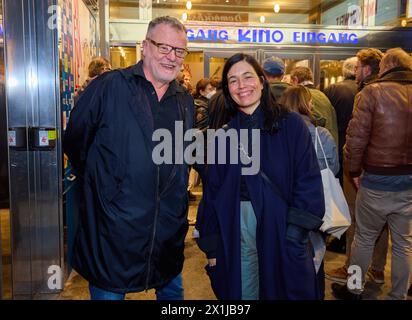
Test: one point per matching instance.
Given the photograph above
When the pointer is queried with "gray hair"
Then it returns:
(172, 22)
(348, 67)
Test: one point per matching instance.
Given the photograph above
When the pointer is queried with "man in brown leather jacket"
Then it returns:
(378, 154)
(366, 70)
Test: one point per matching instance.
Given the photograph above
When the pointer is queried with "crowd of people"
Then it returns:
(255, 230)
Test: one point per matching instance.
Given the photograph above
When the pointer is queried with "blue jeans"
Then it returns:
(248, 252)
(171, 291)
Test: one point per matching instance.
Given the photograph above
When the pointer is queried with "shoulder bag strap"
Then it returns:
(321, 147)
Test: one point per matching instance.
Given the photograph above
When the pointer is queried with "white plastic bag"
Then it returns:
(319, 248)
(337, 216)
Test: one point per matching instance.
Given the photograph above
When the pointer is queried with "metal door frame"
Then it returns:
(35, 176)
(2, 112)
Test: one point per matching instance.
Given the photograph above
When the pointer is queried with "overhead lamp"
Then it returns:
(189, 5)
(276, 8)
(262, 19)
(184, 16)
(404, 23)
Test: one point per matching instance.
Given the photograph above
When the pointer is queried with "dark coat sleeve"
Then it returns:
(208, 225)
(83, 123)
(209, 231)
(209, 228)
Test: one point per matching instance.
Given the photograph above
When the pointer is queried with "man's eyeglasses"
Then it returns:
(166, 49)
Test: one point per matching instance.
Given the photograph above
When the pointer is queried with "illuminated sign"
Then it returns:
(271, 36)
(409, 12)
(217, 17)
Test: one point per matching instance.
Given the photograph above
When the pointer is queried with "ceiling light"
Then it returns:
(189, 5)
(262, 19)
(276, 8)
(184, 16)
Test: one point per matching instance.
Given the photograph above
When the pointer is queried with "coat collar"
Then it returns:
(396, 75)
(367, 80)
(139, 105)
(257, 115)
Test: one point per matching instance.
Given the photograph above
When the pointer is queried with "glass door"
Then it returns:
(330, 66)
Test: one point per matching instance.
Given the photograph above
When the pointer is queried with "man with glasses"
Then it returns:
(133, 212)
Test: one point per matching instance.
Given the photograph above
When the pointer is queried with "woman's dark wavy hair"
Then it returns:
(272, 111)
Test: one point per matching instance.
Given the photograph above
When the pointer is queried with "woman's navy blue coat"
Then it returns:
(131, 230)
(286, 269)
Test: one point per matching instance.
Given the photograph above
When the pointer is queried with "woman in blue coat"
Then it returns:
(255, 227)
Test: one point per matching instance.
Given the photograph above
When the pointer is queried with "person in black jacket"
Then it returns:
(342, 96)
(204, 91)
(133, 211)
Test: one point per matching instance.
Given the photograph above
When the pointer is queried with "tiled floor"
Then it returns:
(6, 252)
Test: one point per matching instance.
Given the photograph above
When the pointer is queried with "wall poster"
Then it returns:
(77, 46)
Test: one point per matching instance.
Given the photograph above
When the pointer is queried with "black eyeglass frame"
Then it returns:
(170, 49)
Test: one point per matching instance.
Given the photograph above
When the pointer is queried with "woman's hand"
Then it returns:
(212, 262)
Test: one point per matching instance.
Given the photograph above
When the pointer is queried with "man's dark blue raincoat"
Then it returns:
(286, 269)
(132, 229)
